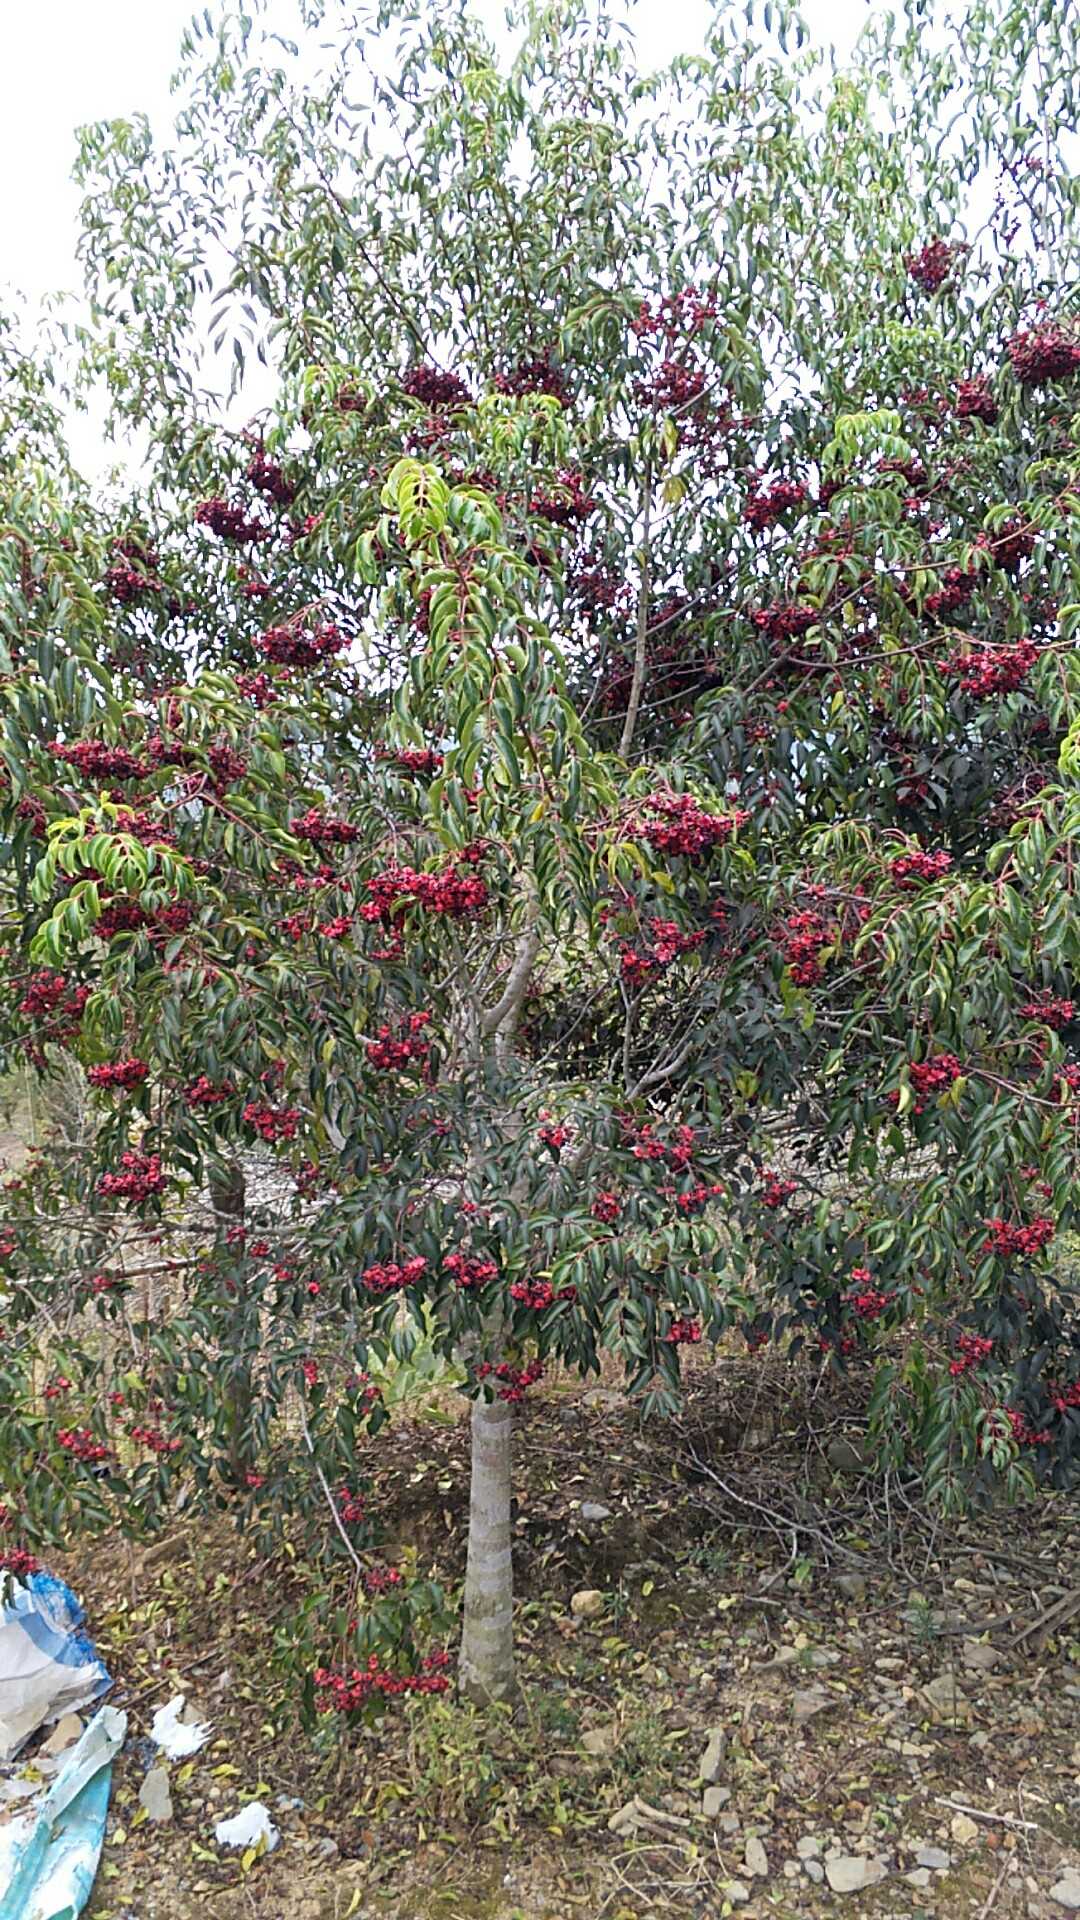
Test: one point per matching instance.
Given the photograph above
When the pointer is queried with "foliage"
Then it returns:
(587, 790)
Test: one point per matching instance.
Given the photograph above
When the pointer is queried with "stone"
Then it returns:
(592, 1510)
(713, 1799)
(729, 1823)
(848, 1456)
(963, 1829)
(806, 1702)
(814, 1871)
(713, 1756)
(851, 1585)
(600, 1741)
(587, 1604)
(920, 1877)
(756, 1858)
(325, 1847)
(853, 1872)
(625, 1819)
(979, 1658)
(808, 1847)
(64, 1734)
(943, 1699)
(154, 1794)
(934, 1857)
(736, 1891)
(1067, 1890)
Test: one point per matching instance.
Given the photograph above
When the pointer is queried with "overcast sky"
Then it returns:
(67, 62)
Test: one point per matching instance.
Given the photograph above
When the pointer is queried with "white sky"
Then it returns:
(67, 62)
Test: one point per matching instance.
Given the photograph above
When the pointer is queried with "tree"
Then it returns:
(617, 848)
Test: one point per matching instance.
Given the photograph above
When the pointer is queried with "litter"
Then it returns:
(48, 1667)
(176, 1736)
(49, 1855)
(251, 1827)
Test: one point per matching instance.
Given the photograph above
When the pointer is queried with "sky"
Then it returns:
(68, 62)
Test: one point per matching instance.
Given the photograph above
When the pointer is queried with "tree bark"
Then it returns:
(228, 1198)
(487, 1645)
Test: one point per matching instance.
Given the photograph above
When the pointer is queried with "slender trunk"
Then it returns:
(228, 1197)
(487, 1644)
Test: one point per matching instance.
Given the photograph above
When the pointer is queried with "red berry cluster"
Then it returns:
(121, 1073)
(678, 1153)
(866, 1301)
(440, 392)
(667, 944)
(19, 1562)
(971, 1350)
(124, 582)
(140, 1178)
(350, 1506)
(774, 1190)
(956, 589)
(933, 1075)
(680, 825)
(290, 646)
(1050, 352)
(346, 1691)
(448, 891)
(421, 760)
(256, 687)
(516, 1381)
(51, 994)
(271, 1123)
(57, 1387)
(554, 1136)
(606, 1207)
(804, 935)
(538, 1294)
(401, 1047)
(80, 1443)
(766, 505)
(909, 868)
(683, 1333)
(676, 314)
(539, 375)
(96, 761)
(933, 263)
(675, 387)
(153, 1438)
(694, 1200)
(388, 1277)
(1006, 1237)
(323, 830)
(381, 1579)
(203, 1092)
(781, 622)
(267, 477)
(1023, 1432)
(993, 670)
(1052, 1013)
(567, 505)
(1011, 545)
(468, 1272)
(230, 523)
(974, 400)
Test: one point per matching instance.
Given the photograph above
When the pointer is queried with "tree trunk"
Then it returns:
(228, 1197)
(487, 1643)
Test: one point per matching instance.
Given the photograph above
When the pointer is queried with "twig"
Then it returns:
(330, 1501)
(993, 1819)
(991, 1898)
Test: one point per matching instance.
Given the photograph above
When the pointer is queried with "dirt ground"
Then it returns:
(790, 1679)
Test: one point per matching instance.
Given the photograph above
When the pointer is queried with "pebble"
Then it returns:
(814, 1871)
(935, 1857)
(1067, 1890)
(851, 1872)
(808, 1847)
(592, 1510)
(712, 1758)
(713, 1799)
(963, 1829)
(756, 1858)
(154, 1794)
(586, 1604)
(737, 1892)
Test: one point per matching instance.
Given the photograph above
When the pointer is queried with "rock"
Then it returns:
(943, 1700)
(934, 1857)
(851, 1585)
(626, 1819)
(848, 1456)
(808, 1847)
(963, 1829)
(154, 1794)
(712, 1758)
(713, 1799)
(920, 1877)
(600, 1741)
(592, 1510)
(64, 1734)
(756, 1858)
(325, 1848)
(979, 1658)
(1067, 1890)
(729, 1823)
(587, 1604)
(821, 1656)
(852, 1872)
(806, 1702)
(736, 1891)
(814, 1870)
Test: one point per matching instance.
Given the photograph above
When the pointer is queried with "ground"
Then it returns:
(872, 1682)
